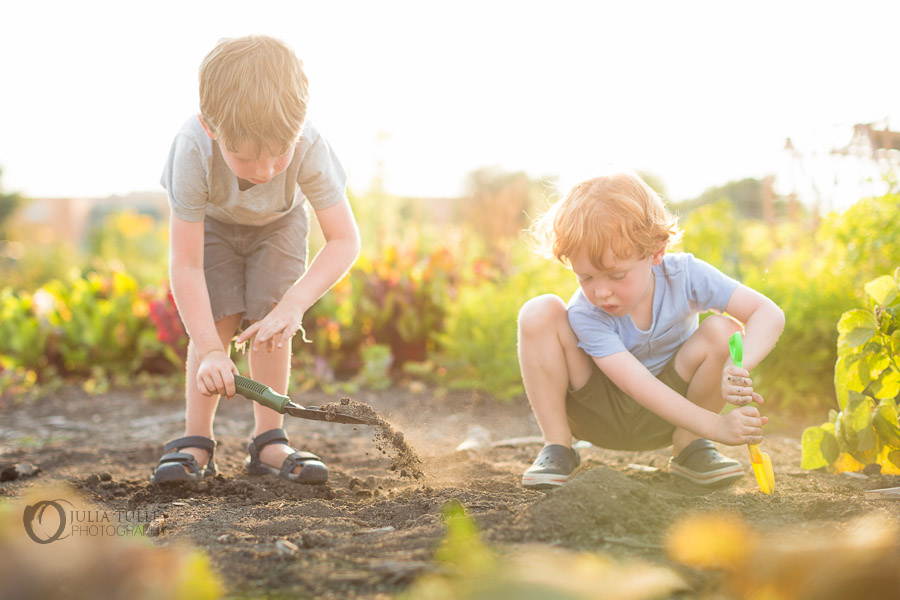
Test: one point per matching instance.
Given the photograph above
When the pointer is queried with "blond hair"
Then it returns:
(619, 212)
(253, 94)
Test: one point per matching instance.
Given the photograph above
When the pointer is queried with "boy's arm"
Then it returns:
(188, 282)
(740, 426)
(763, 323)
(341, 249)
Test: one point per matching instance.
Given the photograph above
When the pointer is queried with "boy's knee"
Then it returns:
(542, 313)
(717, 329)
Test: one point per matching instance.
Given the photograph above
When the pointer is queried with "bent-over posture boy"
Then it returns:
(625, 365)
(238, 177)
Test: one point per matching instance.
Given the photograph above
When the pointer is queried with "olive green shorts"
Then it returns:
(604, 415)
(249, 268)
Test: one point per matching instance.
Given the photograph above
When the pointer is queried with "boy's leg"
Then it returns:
(200, 409)
(551, 362)
(700, 362)
(271, 369)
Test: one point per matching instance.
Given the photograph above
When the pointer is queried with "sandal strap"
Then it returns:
(273, 436)
(191, 441)
(182, 458)
(295, 459)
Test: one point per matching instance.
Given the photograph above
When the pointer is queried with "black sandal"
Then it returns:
(171, 466)
(313, 471)
(554, 466)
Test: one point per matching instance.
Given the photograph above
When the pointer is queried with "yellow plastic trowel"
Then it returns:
(760, 461)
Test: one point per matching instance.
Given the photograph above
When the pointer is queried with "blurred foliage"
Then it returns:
(812, 273)
(866, 430)
(471, 570)
(479, 346)
(133, 243)
(10, 202)
(858, 559)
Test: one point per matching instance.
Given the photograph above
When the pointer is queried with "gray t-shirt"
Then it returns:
(685, 287)
(200, 184)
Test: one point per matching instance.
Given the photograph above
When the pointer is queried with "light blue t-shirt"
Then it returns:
(685, 287)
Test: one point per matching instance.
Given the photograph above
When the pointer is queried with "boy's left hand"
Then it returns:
(275, 330)
(737, 387)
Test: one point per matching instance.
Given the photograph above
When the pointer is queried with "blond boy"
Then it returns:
(625, 364)
(237, 177)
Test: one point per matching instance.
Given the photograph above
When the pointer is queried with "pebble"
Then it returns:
(92, 479)
(225, 538)
(105, 476)
(287, 548)
(19, 471)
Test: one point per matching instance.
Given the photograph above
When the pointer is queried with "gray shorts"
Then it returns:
(248, 269)
(604, 415)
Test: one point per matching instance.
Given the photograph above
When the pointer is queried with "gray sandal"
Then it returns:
(171, 466)
(554, 466)
(313, 471)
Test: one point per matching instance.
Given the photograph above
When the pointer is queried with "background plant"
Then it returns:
(866, 430)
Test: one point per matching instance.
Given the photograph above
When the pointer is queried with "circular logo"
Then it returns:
(35, 525)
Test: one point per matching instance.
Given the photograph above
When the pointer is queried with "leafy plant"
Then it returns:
(866, 430)
(478, 346)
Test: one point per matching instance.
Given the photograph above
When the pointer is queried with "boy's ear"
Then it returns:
(206, 128)
(658, 256)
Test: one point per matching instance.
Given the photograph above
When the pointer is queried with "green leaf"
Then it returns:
(885, 420)
(819, 448)
(854, 319)
(847, 379)
(856, 424)
(882, 290)
(887, 385)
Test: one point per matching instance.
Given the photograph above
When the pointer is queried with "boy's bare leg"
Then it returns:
(200, 409)
(271, 369)
(700, 362)
(551, 361)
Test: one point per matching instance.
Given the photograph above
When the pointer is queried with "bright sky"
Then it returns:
(698, 93)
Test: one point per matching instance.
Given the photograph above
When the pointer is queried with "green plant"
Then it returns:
(866, 430)
(478, 345)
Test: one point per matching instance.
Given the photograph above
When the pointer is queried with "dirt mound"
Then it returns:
(596, 504)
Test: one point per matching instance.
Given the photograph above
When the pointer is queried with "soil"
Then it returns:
(374, 527)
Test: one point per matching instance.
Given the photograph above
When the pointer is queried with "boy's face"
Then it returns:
(623, 286)
(245, 164)
(256, 169)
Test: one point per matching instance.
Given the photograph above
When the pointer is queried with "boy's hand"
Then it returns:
(740, 426)
(737, 387)
(275, 330)
(215, 375)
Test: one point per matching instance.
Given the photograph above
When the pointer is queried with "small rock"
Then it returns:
(345, 401)
(105, 476)
(92, 479)
(286, 548)
(225, 538)
(477, 440)
(19, 471)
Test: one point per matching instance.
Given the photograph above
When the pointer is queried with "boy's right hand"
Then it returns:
(215, 376)
(740, 426)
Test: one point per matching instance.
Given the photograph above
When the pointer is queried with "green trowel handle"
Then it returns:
(260, 393)
(736, 346)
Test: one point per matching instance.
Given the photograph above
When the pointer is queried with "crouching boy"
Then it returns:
(626, 364)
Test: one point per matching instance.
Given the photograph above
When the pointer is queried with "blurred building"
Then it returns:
(70, 220)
